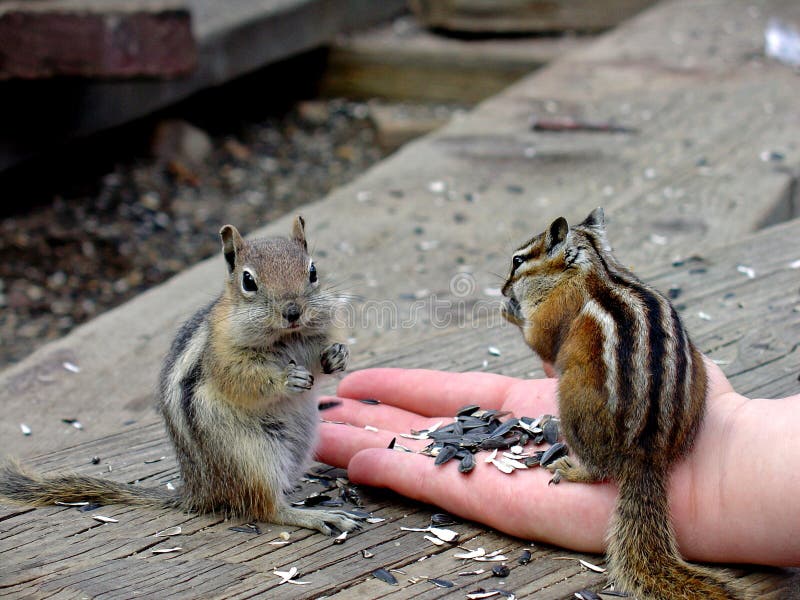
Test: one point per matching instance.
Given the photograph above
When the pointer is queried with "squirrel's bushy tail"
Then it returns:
(642, 554)
(24, 487)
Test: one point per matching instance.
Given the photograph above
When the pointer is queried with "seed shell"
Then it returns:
(587, 595)
(591, 567)
(166, 550)
(500, 571)
(168, 532)
(442, 583)
(445, 454)
(103, 519)
(385, 576)
(555, 451)
(525, 558)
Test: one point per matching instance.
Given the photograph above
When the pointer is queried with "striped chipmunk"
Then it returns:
(631, 395)
(237, 395)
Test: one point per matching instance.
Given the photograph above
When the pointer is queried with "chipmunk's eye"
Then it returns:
(312, 273)
(248, 283)
(516, 262)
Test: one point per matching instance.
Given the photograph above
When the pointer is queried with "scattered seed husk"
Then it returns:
(374, 520)
(525, 558)
(168, 532)
(371, 428)
(170, 487)
(591, 567)
(104, 519)
(491, 558)
(371, 401)
(288, 577)
(500, 571)
(587, 595)
(340, 539)
(512, 462)
(550, 431)
(494, 350)
(481, 593)
(446, 535)
(166, 550)
(25, 429)
(442, 583)
(154, 460)
(249, 528)
(71, 503)
(74, 422)
(89, 506)
(475, 572)
(95, 460)
(505, 468)
(385, 576)
(417, 529)
(471, 554)
(434, 540)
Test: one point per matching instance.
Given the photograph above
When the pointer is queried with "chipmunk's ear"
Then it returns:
(596, 223)
(556, 233)
(299, 231)
(232, 244)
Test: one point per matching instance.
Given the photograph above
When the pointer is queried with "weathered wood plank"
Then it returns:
(96, 38)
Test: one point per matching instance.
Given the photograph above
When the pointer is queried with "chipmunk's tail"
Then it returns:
(642, 554)
(24, 487)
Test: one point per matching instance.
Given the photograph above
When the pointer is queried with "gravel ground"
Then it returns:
(78, 254)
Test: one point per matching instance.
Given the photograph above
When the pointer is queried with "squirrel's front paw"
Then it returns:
(334, 358)
(298, 379)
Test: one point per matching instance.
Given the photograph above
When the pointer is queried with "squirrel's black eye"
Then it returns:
(516, 262)
(248, 283)
(312, 273)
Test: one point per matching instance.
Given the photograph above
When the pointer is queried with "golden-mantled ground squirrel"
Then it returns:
(631, 394)
(236, 395)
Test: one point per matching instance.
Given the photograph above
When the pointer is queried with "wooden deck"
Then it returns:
(702, 199)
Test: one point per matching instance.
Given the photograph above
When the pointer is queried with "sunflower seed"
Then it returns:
(385, 576)
(71, 503)
(166, 550)
(525, 558)
(550, 430)
(467, 463)
(475, 572)
(467, 410)
(442, 583)
(442, 519)
(480, 593)
(445, 454)
(249, 528)
(25, 429)
(374, 520)
(154, 460)
(587, 595)
(168, 532)
(555, 451)
(501, 571)
(392, 443)
(366, 553)
(371, 401)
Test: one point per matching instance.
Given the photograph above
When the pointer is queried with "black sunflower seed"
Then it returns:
(555, 451)
(467, 463)
(445, 454)
(467, 410)
(385, 576)
(550, 431)
(525, 558)
(500, 571)
(369, 401)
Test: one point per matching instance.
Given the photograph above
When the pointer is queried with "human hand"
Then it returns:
(705, 492)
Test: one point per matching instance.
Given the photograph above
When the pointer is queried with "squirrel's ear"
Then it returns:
(556, 233)
(232, 244)
(299, 231)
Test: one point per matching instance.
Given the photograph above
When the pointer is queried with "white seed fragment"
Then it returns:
(491, 456)
(339, 539)
(479, 595)
(25, 429)
(703, 315)
(448, 535)
(166, 550)
(278, 543)
(374, 520)
(103, 519)
(505, 468)
(154, 460)
(591, 567)
(77, 424)
(514, 463)
(71, 503)
(287, 576)
(494, 350)
(417, 529)
(168, 532)
(170, 487)
(284, 535)
(744, 270)
(370, 428)
(437, 187)
(71, 367)
(475, 572)
(433, 540)
(516, 449)
(795, 264)
(367, 554)
(487, 558)
(471, 554)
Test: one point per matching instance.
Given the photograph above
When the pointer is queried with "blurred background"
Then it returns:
(131, 129)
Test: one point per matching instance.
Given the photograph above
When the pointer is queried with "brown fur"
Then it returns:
(631, 395)
(235, 393)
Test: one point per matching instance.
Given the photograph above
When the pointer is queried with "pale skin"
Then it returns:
(733, 499)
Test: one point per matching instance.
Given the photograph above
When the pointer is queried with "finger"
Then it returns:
(532, 398)
(522, 504)
(425, 392)
(382, 416)
(338, 443)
